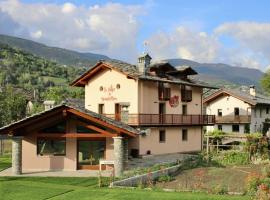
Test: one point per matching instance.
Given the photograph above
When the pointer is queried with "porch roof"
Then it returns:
(76, 107)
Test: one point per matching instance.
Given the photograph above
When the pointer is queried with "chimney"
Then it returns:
(48, 105)
(252, 90)
(144, 62)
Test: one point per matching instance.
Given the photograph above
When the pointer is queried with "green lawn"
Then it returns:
(57, 188)
(85, 188)
(5, 162)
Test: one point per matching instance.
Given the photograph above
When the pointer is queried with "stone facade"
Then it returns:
(118, 156)
(17, 155)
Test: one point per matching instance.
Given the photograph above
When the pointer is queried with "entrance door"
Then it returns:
(89, 154)
(161, 112)
(117, 112)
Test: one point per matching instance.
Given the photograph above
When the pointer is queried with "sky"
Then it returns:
(223, 31)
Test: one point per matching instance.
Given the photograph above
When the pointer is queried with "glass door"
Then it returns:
(89, 154)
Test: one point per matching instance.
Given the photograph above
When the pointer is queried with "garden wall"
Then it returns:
(146, 178)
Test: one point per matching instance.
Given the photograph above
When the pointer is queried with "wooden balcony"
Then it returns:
(232, 119)
(167, 119)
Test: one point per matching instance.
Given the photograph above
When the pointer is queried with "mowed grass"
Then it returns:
(74, 188)
(57, 188)
(5, 162)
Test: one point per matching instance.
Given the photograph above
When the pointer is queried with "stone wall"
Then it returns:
(145, 178)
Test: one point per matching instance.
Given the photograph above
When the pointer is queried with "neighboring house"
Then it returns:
(128, 111)
(238, 111)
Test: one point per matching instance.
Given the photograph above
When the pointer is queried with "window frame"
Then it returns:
(236, 111)
(162, 139)
(184, 135)
(219, 112)
(186, 109)
(235, 125)
(51, 154)
(101, 108)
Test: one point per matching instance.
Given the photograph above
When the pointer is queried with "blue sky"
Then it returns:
(205, 31)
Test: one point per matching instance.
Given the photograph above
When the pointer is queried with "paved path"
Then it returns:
(78, 173)
(151, 160)
(146, 161)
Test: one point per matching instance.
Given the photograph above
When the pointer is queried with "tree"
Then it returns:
(265, 82)
(12, 106)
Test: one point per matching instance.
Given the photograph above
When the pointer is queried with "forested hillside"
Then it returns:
(59, 55)
(25, 77)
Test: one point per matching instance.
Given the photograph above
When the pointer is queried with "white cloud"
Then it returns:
(112, 29)
(68, 8)
(250, 46)
(109, 29)
(36, 34)
(251, 38)
(184, 43)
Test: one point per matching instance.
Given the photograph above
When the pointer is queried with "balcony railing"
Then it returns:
(167, 119)
(232, 119)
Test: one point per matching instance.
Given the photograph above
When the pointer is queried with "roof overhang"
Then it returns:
(97, 68)
(63, 110)
(223, 92)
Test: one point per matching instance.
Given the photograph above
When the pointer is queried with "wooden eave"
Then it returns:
(83, 80)
(22, 126)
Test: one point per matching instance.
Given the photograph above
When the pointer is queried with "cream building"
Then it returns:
(155, 98)
(238, 111)
(128, 110)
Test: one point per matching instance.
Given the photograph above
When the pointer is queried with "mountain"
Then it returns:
(59, 55)
(216, 74)
(222, 74)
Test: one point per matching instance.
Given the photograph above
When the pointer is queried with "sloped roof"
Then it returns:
(244, 96)
(77, 105)
(132, 72)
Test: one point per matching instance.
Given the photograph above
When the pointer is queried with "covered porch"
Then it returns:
(66, 138)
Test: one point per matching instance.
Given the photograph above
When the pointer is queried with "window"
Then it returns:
(51, 147)
(164, 93)
(162, 136)
(220, 127)
(184, 109)
(236, 111)
(186, 95)
(267, 110)
(219, 111)
(255, 112)
(101, 108)
(235, 128)
(184, 135)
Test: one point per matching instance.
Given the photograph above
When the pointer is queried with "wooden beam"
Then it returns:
(70, 135)
(34, 120)
(96, 129)
(86, 116)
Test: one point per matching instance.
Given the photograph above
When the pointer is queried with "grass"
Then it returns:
(73, 188)
(5, 162)
(58, 188)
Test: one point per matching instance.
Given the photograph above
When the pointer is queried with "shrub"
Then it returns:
(219, 189)
(165, 178)
(232, 157)
(252, 183)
